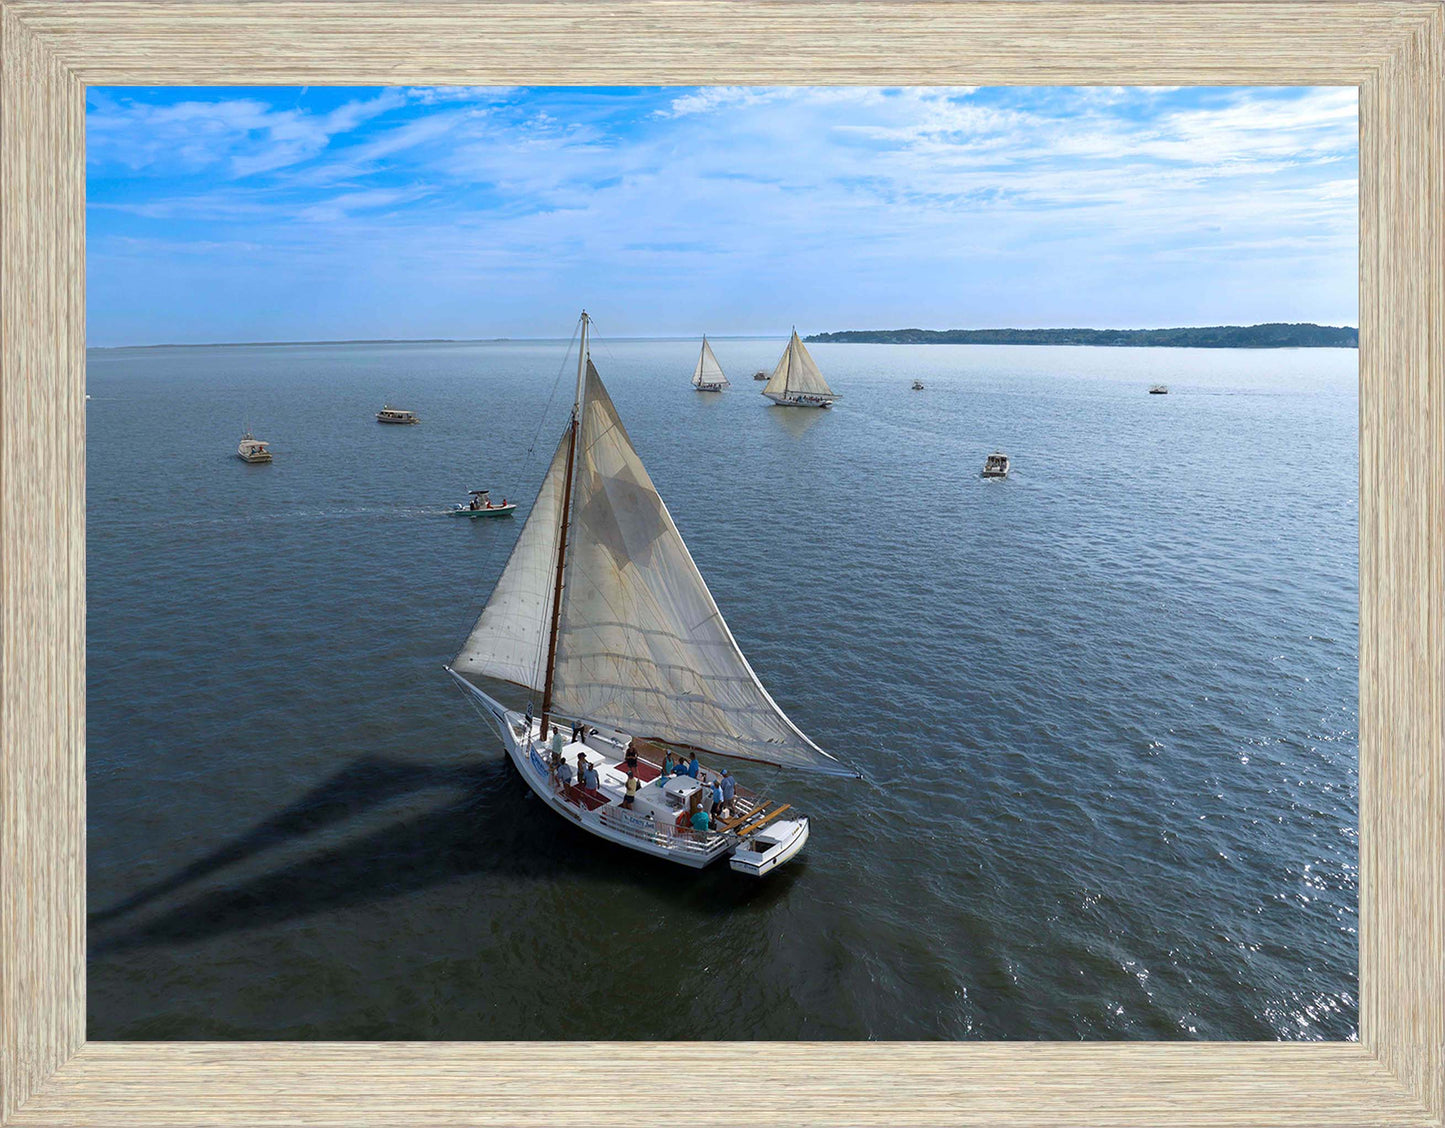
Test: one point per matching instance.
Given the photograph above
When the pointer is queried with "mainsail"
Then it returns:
(708, 370)
(640, 643)
(797, 374)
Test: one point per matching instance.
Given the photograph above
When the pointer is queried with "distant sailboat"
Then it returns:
(796, 381)
(601, 610)
(708, 375)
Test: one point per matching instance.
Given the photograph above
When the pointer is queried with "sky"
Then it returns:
(270, 213)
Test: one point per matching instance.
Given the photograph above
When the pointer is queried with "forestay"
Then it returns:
(509, 641)
(641, 643)
(708, 370)
(797, 374)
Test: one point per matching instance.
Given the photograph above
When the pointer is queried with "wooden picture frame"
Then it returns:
(1394, 52)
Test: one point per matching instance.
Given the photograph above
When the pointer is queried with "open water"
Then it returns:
(1107, 708)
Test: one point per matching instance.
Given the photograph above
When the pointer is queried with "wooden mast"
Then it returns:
(562, 531)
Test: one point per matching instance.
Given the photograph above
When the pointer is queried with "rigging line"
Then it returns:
(476, 603)
(552, 395)
(600, 339)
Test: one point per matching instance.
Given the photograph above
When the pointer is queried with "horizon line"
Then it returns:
(674, 337)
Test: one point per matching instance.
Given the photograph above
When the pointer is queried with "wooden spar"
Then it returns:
(562, 531)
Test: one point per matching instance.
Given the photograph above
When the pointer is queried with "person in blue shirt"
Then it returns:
(692, 766)
(717, 797)
(700, 821)
(667, 764)
(729, 788)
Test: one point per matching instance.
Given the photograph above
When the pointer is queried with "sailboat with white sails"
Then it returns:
(796, 381)
(708, 375)
(602, 611)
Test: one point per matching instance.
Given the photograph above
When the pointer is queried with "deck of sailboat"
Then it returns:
(606, 755)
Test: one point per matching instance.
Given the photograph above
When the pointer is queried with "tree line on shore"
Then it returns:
(1275, 335)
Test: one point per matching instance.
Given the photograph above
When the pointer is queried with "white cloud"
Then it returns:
(245, 136)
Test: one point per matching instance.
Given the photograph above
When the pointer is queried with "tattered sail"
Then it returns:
(797, 374)
(640, 643)
(509, 641)
(708, 370)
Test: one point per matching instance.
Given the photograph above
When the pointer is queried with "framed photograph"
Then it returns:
(413, 682)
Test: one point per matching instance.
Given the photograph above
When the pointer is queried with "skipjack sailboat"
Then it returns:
(796, 381)
(601, 609)
(708, 375)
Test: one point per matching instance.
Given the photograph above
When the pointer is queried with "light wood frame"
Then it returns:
(1393, 51)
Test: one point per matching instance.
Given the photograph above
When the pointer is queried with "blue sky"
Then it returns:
(268, 213)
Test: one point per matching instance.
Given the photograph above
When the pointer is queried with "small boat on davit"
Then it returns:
(602, 611)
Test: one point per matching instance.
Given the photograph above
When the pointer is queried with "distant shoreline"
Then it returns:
(1273, 335)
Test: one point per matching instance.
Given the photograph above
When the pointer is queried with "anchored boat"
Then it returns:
(252, 449)
(996, 465)
(602, 611)
(708, 375)
(796, 381)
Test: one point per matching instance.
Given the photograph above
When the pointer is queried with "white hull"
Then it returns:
(757, 854)
(784, 399)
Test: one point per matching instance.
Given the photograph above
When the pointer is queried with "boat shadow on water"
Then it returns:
(486, 821)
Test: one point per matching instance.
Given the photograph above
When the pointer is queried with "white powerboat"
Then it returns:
(996, 465)
(252, 449)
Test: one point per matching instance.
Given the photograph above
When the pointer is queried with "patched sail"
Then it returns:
(708, 370)
(641, 645)
(509, 640)
(797, 374)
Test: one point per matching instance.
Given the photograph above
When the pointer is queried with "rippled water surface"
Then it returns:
(1107, 708)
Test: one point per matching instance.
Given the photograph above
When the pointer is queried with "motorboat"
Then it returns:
(918, 385)
(996, 465)
(389, 414)
(252, 449)
(1159, 390)
(481, 505)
